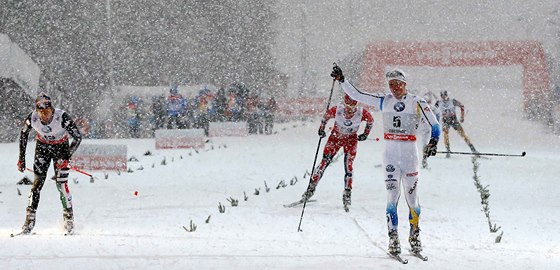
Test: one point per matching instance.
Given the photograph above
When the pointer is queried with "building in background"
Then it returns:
(19, 82)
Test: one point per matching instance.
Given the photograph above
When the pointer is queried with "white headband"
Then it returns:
(395, 75)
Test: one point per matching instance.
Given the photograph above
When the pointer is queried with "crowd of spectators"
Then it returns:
(140, 117)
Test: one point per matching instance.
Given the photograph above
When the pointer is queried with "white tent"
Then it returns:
(15, 64)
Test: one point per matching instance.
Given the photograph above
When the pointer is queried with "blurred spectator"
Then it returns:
(219, 105)
(83, 126)
(233, 108)
(133, 116)
(252, 112)
(93, 130)
(176, 106)
(189, 119)
(108, 129)
(269, 110)
(203, 101)
(158, 111)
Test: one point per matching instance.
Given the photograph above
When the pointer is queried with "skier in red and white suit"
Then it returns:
(402, 113)
(347, 119)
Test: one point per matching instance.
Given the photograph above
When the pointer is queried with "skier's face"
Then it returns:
(45, 114)
(398, 88)
(349, 109)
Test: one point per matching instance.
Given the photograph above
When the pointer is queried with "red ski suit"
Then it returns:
(344, 134)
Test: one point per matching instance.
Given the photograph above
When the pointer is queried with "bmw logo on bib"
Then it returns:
(399, 106)
(46, 129)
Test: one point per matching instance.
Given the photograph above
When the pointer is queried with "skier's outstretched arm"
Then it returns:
(353, 92)
(361, 96)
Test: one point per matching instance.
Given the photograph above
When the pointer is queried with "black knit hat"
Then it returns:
(43, 101)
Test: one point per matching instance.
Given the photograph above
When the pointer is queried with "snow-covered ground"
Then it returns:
(116, 229)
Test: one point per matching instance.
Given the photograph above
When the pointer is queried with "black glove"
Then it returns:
(322, 133)
(337, 74)
(431, 148)
(362, 137)
(21, 165)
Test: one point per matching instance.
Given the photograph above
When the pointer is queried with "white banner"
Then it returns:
(218, 129)
(179, 138)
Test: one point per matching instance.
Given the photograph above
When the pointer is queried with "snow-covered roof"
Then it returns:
(18, 66)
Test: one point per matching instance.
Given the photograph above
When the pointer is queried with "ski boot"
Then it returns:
(29, 223)
(309, 192)
(68, 216)
(414, 240)
(394, 243)
(347, 199)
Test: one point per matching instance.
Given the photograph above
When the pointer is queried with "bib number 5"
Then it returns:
(397, 121)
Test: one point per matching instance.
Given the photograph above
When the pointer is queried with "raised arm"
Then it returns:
(360, 96)
(353, 92)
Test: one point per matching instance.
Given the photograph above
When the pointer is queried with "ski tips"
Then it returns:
(523, 154)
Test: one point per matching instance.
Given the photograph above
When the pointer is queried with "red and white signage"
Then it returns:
(100, 157)
(529, 54)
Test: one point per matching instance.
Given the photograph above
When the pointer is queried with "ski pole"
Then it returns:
(91, 179)
(484, 154)
(315, 159)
